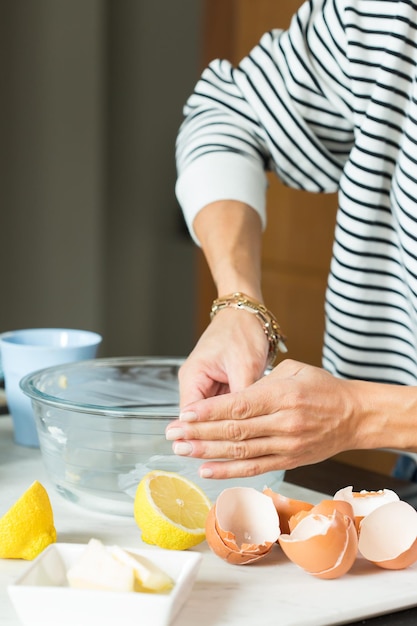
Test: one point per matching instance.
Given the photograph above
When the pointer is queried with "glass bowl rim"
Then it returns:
(168, 411)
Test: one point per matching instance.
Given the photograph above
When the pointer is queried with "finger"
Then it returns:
(245, 468)
(288, 368)
(197, 387)
(240, 378)
(244, 371)
(238, 450)
(241, 405)
(226, 430)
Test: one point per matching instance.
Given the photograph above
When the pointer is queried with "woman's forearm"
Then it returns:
(230, 234)
(388, 416)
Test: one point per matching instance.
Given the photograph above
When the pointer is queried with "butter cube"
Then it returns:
(98, 569)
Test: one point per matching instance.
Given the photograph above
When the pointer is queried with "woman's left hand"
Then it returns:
(296, 415)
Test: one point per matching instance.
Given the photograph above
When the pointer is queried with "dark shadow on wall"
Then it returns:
(90, 231)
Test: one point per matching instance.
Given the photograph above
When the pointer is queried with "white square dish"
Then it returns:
(41, 596)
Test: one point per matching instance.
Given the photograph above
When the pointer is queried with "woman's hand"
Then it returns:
(296, 415)
(230, 355)
(232, 352)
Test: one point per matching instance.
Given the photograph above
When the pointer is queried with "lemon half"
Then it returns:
(170, 510)
(28, 526)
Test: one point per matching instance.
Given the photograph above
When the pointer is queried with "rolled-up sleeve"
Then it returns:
(284, 108)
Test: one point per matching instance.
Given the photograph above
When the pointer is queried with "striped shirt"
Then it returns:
(330, 104)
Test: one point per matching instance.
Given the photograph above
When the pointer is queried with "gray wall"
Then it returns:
(91, 236)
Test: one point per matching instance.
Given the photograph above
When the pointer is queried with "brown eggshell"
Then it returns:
(363, 502)
(325, 507)
(323, 545)
(217, 545)
(388, 536)
(242, 526)
(348, 557)
(286, 508)
(296, 519)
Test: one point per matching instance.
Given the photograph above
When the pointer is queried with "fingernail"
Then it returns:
(183, 448)
(174, 433)
(205, 472)
(188, 416)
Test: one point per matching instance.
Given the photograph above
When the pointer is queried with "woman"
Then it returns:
(328, 105)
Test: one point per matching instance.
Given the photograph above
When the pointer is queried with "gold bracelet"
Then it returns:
(270, 326)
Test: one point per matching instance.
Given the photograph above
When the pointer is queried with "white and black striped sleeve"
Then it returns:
(286, 107)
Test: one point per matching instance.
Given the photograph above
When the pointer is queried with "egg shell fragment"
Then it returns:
(325, 507)
(242, 526)
(323, 545)
(363, 502)
(388, 536)
(286, 507)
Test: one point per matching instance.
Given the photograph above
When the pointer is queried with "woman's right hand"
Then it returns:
(232, 352)
(230, 355)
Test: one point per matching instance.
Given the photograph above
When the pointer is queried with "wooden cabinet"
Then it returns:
(297, 242)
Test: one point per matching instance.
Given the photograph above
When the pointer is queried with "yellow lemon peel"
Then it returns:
(28, 526)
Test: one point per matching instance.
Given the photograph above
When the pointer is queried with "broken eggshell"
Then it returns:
(388, 535)
(364, 502)
(286, 508)
(324, 545)
(323, 539)
(242, 526)
(325, 507)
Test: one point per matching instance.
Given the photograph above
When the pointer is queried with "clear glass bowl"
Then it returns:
(101, 427)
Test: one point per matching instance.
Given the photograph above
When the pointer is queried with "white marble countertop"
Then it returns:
(267, 593)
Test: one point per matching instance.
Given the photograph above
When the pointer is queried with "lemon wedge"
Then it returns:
(170, 510)
(28, 526)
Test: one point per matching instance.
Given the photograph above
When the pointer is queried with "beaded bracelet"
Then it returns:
(270, 326)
